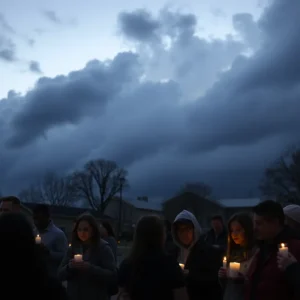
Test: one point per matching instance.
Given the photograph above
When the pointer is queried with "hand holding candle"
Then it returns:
(284, 250)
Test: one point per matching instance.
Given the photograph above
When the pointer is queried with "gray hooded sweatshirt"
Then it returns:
(184, 251)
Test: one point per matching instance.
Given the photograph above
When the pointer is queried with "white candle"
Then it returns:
(225, 262)
(38, 239)
(78, 257)
(181, 266)
(234, 269)
(284, 250)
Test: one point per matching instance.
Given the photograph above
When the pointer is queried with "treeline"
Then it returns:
(97, 183)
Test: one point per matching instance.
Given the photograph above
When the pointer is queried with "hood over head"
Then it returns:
(293, 211)
(186, 217)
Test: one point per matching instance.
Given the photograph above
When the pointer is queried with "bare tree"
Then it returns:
(282, 178)
(82, 182)
(100, 181)
(53, 190)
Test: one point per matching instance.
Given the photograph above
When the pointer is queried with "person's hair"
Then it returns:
(13, 199)
(217, 218)
(148, 237)
(42, 209)
(20, 252)
(109, 229)
(96, 236)
(168, 225)
(270, 210)
(245, 220)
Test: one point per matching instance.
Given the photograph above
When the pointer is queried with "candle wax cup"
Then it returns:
(38, 239)
(78, 257)
(284, 250)
(234, 269)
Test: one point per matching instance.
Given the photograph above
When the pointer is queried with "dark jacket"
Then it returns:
(171, 248)
(266, 280)
(203, 264)
(220, 240)
(94, 283)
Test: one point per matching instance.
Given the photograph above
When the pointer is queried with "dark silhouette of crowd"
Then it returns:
(255, 257)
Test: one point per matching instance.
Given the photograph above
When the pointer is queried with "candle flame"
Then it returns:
(282, 245)
(224, 259)
(38, 235)
(70, 245)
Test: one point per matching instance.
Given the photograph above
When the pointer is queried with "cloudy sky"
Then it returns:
(183, 92)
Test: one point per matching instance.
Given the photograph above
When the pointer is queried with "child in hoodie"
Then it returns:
(201, 261)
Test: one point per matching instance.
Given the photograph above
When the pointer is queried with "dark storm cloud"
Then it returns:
(34, 66)
(138, 25)
(162, 131)
(68, 99)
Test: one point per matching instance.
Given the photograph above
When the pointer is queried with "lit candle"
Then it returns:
(234, 269)
(284, 250)
(78, 257)
(181, 266)
(70, 245)
(38, 239)
(225, 262)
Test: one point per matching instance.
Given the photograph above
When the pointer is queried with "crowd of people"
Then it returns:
(255, 257)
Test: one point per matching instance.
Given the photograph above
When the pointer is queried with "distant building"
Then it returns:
(202, 208)
(132, 210)
(64, 216)
(235, 205)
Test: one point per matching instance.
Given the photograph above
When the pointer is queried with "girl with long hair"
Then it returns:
(241, 249)
(148, 272)
(89, 266)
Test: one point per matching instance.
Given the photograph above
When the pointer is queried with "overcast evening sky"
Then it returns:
(183, 92)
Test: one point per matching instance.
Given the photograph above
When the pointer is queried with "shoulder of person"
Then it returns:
(294, 245)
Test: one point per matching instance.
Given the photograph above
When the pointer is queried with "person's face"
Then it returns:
(217, 225)
(40, 221)
(237, 233)
(84, 231)
(9, 206)
(265, 229)
(6, 206)
(185, 233)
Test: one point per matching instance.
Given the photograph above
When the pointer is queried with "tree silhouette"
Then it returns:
(282, 178)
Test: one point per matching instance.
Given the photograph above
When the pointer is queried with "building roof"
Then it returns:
(239, 202)
(68, 211)
(146, 205)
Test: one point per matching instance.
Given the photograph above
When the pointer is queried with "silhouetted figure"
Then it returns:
(23, 272)
(10, 204)
(54, 242)
(149, 273)
(109, 236)
(171, 248)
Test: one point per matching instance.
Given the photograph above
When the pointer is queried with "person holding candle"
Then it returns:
(266, 281)
(240, 252)
(149, 272)
(24, 272)
(53, 242)
(201, 260)
(89, 266)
